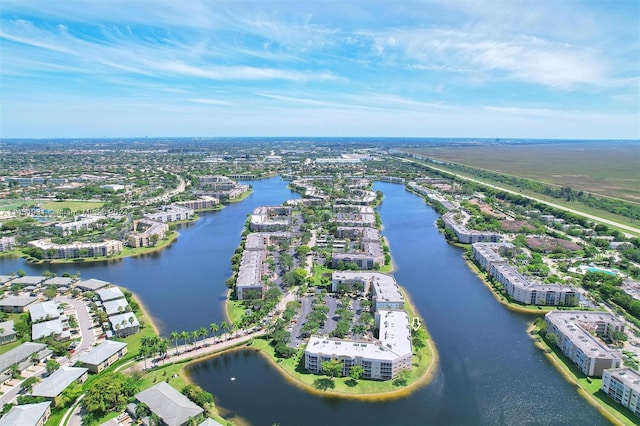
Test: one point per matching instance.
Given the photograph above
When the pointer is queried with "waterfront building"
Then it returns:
(110, 293)
(204, 202)
(77, 249)
(171, 213)
(519, 288)
(623, 386)
(386, 292)
(7, 243)
(579, 337)
(27, 415)
(250, 273)
(382, 359)
(172, 407)
(103, 355)
(465, 235)
(91, 284)
(124, 324)
(146, 232)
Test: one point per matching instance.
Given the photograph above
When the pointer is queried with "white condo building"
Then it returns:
(518, 287)
(623, 385)
(579, 337)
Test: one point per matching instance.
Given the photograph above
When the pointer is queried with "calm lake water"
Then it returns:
(489, 372)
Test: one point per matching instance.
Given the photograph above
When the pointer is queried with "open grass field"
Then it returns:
(604, 168)
(56, 206)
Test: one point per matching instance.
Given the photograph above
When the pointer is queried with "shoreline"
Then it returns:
(150, 320)
(569, 377)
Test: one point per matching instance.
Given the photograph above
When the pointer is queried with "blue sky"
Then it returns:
(450, 68)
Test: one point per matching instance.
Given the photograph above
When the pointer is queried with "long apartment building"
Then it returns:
(270, 218)
(252, 265)
(201, 203)
(465, 235)
(623, 386)
(83, 224)
(579, 337)
(520, 289)
(381, 359)
(171, 213)
(76, 250)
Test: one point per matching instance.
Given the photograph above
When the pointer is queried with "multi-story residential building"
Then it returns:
(83, 224)
(623, 385)
(204, 202)
(386, 291)
(7, 243)
(270, 219)
(251, 266)
(518, 287)
(367, 254)
(145, 231)
(216, 182)
(382, 359)
(579, 337)
(465, 235)
(354, 216)
(171, 213)
(76, 250)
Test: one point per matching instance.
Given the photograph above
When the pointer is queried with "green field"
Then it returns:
(56, 206)
(600, 168)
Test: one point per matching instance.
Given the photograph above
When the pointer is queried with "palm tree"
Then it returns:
(174, 336)
(162, 347)
(194, 336)
(224, 326)
(203, 333)
(185, 336)
(213, 328)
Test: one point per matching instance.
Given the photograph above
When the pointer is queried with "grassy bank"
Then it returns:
(588, 388)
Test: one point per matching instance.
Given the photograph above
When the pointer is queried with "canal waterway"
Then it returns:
(182, 286)
(489, 372)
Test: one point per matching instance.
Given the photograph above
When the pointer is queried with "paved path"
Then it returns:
(200, 349)
(84, 322)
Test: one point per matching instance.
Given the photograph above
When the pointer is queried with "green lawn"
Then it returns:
(72, 205)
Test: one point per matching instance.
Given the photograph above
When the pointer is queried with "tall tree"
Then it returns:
(213, 328)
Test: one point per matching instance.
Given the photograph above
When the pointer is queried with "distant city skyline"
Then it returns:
(492, 69)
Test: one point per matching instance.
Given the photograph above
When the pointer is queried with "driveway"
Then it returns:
(84, 322)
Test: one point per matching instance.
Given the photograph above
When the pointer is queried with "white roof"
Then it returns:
(25, 415)
(170, 405)
(102, 352)
(59, 281)
(47, 328)
(112, 307)
(44, 310)
(92, 284)
(110, 293)
(116, 320)
(53, 385)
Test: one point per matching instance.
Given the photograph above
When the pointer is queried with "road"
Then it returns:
(84, 323)
(595, 218)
